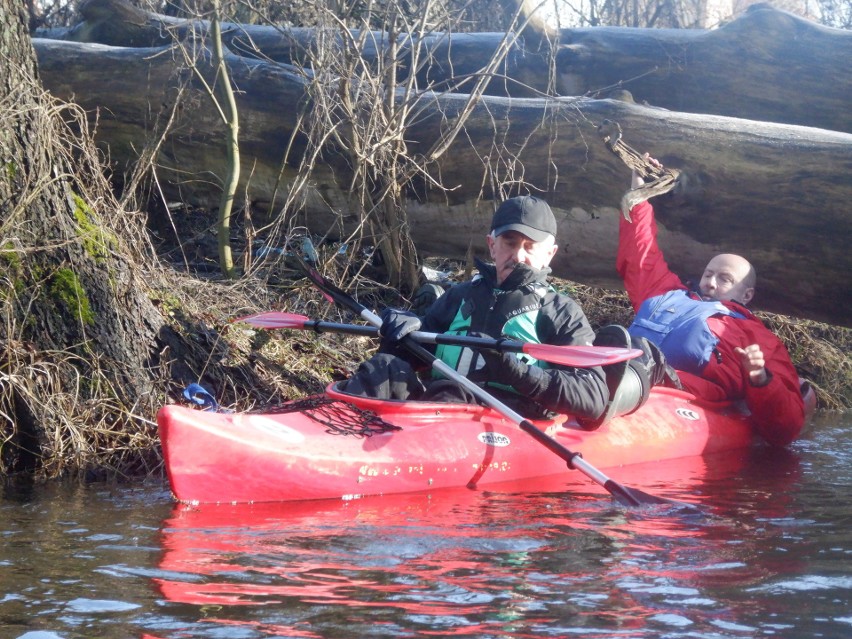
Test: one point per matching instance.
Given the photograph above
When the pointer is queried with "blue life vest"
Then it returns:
(677, 323)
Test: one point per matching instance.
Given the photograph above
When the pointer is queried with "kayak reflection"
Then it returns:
(512, 559)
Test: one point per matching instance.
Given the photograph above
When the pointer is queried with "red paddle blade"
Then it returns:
(274, 319)
(581, 356)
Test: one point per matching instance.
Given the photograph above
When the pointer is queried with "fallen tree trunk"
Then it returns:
(778, 194)
(447, 61)
(767, 65)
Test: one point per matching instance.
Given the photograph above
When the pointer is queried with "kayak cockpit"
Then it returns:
(420, 410)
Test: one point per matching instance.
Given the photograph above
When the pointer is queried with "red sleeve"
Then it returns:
(640, 262)
(777, 409)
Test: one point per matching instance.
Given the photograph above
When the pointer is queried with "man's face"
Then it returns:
(513, 248)
(724, 279)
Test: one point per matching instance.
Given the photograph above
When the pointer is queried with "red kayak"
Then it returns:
(345, 447)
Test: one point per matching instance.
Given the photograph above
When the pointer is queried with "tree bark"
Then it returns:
(77, 324)
(777, 194)
(766, 65)
(760, 66)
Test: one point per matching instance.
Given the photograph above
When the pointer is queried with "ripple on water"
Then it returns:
(805, 583)
(89, 606)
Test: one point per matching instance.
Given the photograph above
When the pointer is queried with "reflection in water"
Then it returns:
(769, 555)
(464, 563)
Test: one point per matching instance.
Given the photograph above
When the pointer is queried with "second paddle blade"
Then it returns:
(581, 356)
(274, 319)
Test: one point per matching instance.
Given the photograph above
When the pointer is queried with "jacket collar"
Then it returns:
(737, 307)
(523, 275)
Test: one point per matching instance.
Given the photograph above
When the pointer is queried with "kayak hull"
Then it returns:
(217, 457)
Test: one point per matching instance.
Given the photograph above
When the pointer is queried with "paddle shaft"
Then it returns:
(574, 460)
(469, 341)
(624, 495)
(579, 356)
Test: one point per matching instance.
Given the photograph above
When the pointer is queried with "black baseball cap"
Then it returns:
(525, 214)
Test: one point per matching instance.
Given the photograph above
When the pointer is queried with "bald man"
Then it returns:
(719, 348)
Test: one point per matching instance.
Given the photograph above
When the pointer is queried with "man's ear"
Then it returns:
(489, 240)
(748, 295)
(553, 250)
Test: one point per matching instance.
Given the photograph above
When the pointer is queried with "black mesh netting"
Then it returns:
(339, 418)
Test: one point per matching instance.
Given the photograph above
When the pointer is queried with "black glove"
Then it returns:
(396, 324)
(507, 369)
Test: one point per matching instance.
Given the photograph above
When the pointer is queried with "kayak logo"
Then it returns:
(686, 413)
(494, 439)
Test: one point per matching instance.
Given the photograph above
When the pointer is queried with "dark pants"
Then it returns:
(386, 376)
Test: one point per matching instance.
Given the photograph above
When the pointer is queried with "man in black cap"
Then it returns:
(510, 298)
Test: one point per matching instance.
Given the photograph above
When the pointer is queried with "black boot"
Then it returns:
(623, 381)
(658, 371)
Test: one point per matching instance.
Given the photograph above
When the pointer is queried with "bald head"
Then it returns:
(728, 277)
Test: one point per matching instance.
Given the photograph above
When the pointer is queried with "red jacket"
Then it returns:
(776, 408)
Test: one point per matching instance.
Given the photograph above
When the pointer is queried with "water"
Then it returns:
(771, 556)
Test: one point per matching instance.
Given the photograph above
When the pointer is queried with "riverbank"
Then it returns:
(246, 369)
(297, 363)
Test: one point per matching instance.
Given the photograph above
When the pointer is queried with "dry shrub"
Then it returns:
(821, 355)
(247, 368)
(83, 428)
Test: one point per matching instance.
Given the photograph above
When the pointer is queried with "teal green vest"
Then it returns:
(511, 314)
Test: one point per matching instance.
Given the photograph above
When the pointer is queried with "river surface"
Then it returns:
(770, 555)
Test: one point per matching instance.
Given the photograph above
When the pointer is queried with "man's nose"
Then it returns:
(521, 254)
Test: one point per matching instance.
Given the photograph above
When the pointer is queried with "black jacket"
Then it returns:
(560, 321)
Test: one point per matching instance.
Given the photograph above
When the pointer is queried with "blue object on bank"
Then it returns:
(200, 396)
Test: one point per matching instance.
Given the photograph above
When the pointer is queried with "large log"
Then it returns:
(447, 61)
(767, 65)
(776, 193)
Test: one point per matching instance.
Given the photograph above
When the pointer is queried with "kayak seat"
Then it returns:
(628, 382)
